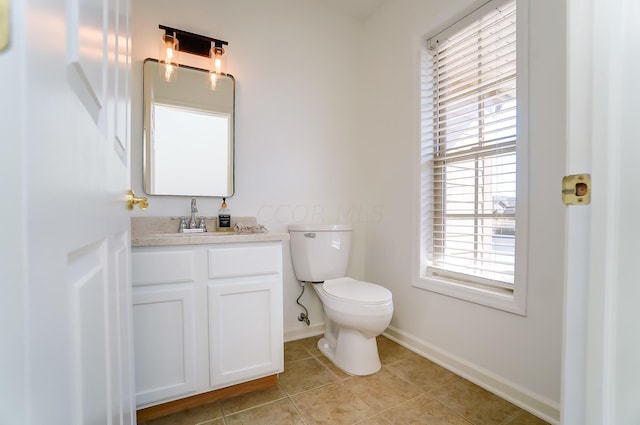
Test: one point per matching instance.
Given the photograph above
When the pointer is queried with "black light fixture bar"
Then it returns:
(195, 44)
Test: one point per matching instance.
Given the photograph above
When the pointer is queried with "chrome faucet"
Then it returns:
(194, 210)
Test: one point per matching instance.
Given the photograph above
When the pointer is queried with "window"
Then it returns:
(472, 143)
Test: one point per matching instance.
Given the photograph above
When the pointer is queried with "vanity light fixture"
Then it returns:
(194, 44)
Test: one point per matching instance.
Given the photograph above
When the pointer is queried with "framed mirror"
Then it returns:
(188, 133)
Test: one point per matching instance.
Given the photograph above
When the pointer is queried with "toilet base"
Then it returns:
(352, 352)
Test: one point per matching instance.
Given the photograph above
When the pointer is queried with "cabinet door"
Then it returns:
(164, 329)
(245, 329)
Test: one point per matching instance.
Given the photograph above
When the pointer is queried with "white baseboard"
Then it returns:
(309, 331)
(537, 405)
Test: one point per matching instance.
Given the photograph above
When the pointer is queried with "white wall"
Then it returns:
(295, 65)
(517, 356)
(327, 130)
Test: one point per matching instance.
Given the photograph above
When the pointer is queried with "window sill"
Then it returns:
(500, 299)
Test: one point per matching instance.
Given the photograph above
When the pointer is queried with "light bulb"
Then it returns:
(168, 59)
(169, 54)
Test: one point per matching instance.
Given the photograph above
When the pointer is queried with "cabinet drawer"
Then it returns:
(231, 261)
(150, 268)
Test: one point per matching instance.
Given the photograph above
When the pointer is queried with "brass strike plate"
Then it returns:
(4, 24)
(576, 189)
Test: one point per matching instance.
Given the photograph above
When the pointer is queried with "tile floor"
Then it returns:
(408, 390)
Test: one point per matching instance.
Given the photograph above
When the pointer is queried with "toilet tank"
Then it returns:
(319, 251)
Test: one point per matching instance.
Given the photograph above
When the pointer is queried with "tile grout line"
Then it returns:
(297, 410)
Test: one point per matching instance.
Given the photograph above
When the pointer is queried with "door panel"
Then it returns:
(88, 285)
(85, 53)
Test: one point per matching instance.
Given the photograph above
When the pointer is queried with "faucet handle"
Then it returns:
(203, 225)
(183, 224)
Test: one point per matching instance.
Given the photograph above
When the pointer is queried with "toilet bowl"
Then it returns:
(355, 312)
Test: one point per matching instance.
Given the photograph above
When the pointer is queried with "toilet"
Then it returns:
(355, 312)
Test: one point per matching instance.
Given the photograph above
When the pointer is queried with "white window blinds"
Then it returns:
(469, 148)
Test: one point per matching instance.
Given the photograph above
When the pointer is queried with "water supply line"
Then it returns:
(303, 317)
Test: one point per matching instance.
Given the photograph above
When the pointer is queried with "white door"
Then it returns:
(65, 99)
(601, 367)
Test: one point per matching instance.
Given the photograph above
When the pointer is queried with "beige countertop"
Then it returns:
(159, 231)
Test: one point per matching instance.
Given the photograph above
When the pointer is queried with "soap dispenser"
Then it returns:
(224, 217)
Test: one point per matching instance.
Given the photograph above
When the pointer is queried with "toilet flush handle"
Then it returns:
(309, 235)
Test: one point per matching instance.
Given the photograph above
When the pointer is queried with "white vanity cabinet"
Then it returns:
(165, 294)
(206, 316)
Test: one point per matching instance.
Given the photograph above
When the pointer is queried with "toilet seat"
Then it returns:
(356, 291)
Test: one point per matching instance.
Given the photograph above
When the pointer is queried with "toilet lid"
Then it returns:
(356, 291)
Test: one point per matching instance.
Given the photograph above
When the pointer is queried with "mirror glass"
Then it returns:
(188, 133)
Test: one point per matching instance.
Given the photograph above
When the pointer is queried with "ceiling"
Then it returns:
(358, 9)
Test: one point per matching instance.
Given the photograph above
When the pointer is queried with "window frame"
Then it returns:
(510, 298)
